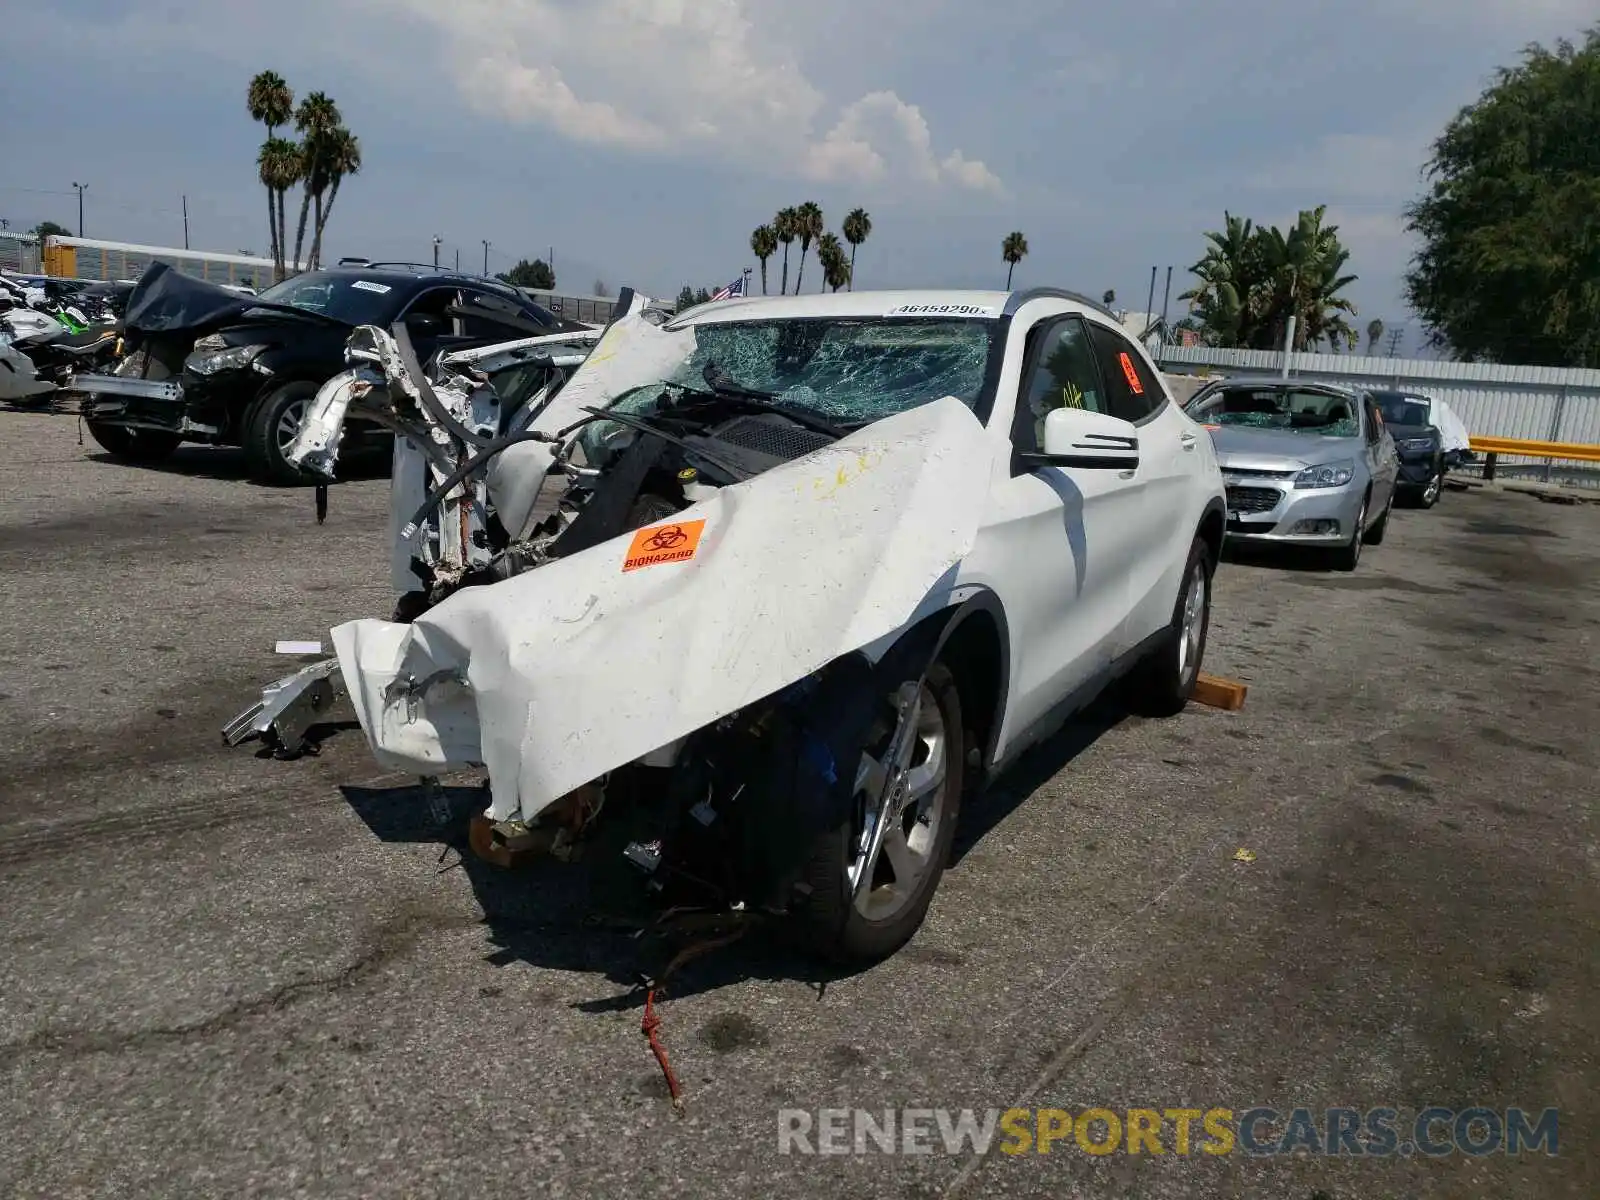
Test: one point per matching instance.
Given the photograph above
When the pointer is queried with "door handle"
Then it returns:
(1187, 441)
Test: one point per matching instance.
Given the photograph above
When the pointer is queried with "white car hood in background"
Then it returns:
(1453, 434)
(583, 665)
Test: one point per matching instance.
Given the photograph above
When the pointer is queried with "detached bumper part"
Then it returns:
(289, 707)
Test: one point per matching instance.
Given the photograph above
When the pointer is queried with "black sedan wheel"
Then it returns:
(270, 430)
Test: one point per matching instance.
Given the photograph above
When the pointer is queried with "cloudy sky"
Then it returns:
(644, 139)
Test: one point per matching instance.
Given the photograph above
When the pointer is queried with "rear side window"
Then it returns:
(1132, 392)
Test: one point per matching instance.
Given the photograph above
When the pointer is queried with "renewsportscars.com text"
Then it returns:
(1182, 1131)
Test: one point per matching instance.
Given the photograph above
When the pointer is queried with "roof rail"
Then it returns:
(417, 266)
(1018, 299)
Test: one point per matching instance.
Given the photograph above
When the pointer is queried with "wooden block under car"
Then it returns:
(1219, 693)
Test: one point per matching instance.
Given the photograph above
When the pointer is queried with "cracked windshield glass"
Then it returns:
(847, 371)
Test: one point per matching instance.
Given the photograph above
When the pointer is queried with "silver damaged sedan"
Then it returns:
(1306, 464)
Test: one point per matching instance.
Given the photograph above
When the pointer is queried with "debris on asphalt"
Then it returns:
(1244, 856)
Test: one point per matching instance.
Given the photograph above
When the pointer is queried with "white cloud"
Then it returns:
(681, 76)
(879, 136)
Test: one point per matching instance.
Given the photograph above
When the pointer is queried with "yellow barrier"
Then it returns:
(1492, 448)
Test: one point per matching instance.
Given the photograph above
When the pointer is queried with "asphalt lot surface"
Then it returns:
(224, 975)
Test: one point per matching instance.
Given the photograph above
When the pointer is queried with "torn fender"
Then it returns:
(554, 677)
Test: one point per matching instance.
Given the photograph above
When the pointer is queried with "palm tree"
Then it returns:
(1228, 277)
(857, 229)
(836, 268)
(1374, 332)
(787, 227)
(342, 158)
(764, 244)
(1012, 251)
(316, 119)
(279, 165)
(1254, 279)
(272, 103)
(830, 254)
(809, 227)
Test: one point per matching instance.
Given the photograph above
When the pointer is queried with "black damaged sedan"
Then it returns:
(208, 365)
(1419, 443)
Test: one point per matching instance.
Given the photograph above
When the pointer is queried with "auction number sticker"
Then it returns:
(943, 310)
(366, 285)
(663, 544)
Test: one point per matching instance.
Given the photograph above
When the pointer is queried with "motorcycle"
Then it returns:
(45, 339)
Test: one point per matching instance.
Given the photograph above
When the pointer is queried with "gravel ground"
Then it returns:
(224, 975)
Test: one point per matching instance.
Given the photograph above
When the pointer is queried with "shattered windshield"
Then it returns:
(851, 371)
(1326, 413)
(350, 299)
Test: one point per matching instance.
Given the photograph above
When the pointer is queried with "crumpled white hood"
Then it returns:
(582, 665)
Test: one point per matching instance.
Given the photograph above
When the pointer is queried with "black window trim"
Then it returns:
(1022, 439)
(1166, 398)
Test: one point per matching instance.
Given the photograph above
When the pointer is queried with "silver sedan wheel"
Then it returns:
(901, 796)
(1431, 493)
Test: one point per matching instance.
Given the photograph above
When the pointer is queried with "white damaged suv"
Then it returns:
(802, 573)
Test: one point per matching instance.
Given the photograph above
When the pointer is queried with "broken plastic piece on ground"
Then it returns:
(1244, 856)
(288, 707)
(298, 648)
(1227, 694)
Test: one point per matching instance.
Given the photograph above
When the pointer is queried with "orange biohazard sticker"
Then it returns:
(664, 544)
(1133, 376)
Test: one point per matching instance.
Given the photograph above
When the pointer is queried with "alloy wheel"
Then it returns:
(901, 795)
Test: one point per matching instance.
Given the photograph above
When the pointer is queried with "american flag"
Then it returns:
(736, 288)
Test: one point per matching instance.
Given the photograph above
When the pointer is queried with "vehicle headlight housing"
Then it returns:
(1327, 475)
(235, 358)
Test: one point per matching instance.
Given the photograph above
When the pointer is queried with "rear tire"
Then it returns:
(1162, 685)
(269, 429)
(133, 445)
(832, 921)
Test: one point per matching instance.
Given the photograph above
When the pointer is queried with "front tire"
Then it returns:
(1374, 536)
(143, 446)
(918, 793)
(1348, 556)
(1433, 489)
(1163, 684)
(270, 428)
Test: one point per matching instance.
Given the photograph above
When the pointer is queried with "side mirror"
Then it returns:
(1077, 437)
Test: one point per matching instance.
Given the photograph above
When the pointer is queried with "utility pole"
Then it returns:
(1149, 304)
(1395, 335)
(80, 187)
(185, 222)
(436, 240)
(485, 256)
(458, 258)
(1166, 297)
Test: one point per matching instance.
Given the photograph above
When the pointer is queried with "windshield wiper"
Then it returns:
(723, 387)
(645, 425)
